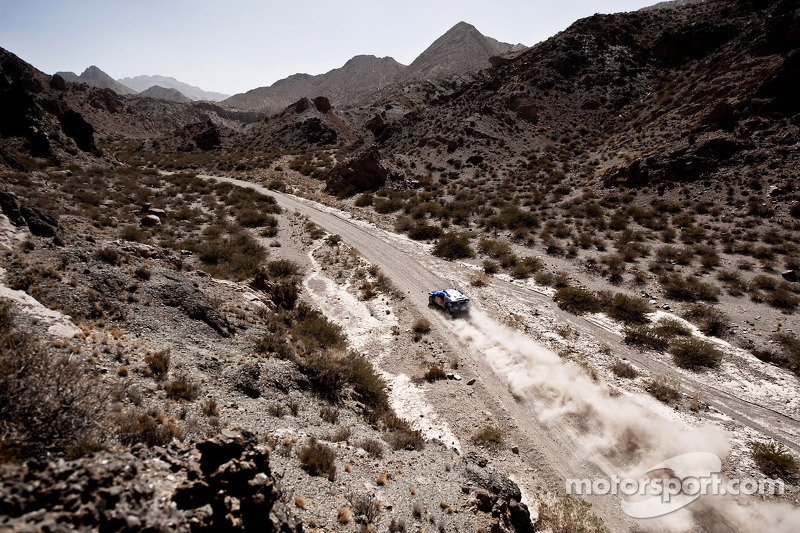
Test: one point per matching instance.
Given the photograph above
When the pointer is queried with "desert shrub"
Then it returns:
(209, 407)
(329, 414)
(577, 301)
(365, 506)
(422, 325)
(664, 389)
(645, 336)
(400, 434)
(245, 379)
(366, 382)
(333, 240)
(315, 330)
(478, 279)
(236, 255)
(364, 200)
(435, 372)
(253, 218)
(694, 353)
(274, 343)
(490, 434)
(385, 206)
(151, 428)
(789, 356)
(47, 402)
(624, 370)
(782, 299)
(628, 309)
(342, 434)
(318, 459)
(424, 232)
(490, 267)
(157, 363)
(284, 293)
(327, 373)
(181, 388)
(109, 255)
(142, 272)
(283, 268)
(373, 447)
(453, 246)
(688, 288)
(276, 409)
(567, 514)
(709, 320)
(774, 459)
(526, 266)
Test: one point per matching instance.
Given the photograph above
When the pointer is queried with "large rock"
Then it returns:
(179, 292)
(232, 490)
(363, 172)
(20, 213)
(74, 126)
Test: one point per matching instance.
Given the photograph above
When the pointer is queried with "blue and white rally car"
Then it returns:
(452, 301)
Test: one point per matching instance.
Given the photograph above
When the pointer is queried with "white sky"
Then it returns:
(237, 45)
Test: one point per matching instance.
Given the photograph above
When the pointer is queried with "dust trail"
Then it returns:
(616, 426)
(619, 432)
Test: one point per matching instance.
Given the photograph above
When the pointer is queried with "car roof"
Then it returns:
(454, 293)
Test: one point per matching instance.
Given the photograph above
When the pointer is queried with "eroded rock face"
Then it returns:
(220, 484)
(75, 127)
(20, 213)
(363, 172)
(179, 292)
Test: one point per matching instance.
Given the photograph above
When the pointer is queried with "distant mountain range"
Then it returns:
(94, 77)
(461, 49)
(142, 83)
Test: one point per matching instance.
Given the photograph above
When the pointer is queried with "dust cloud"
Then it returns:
(622, 432)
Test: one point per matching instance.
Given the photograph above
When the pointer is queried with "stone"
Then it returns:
(149, 221)
(471, 381)
(790, 276)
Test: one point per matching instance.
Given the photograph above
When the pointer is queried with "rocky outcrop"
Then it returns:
(220, 484)
(363, 172)
(20, 213)
(179, 292)
(80, 131)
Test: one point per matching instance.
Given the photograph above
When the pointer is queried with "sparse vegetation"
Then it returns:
(774, 459)
(694, 353)
(318, 459)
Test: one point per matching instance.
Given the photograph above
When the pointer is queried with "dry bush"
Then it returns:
(567, 514)
(365, 506)
(624, 370)
(664, 389)
(152, 428)
(694, 353)
(157, 364)
(421, 325)
(373, 447)
(329, 414)
(318, 459)
(490, 434)
(709, 320)
(401, 435)
(628, 309)
(435, 372)
(453, 246)
(344, 515)
(181, 388)
(491, 267)
(342, 434)
(47, 402)
(478, 279)
(577, 301)
(688, 288)
(276, 409)
(210, 407)
(315, 330)
(774, 460)
(424, 232)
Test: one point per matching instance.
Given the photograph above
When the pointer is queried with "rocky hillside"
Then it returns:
(142, 83)
(461, 49)
(94, 77)
(163, 93)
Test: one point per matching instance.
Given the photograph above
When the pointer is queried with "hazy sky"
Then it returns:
(237, 45)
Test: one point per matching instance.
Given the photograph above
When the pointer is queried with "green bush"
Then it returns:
(628, 309)
(774, 459)
(710, 321)
(315, 330)
(577, 301)
(453, 246)
(424, 232)
(694, 353)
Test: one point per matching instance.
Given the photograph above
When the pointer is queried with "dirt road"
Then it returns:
(549, 455)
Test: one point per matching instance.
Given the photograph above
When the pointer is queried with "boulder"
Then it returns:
(790, 276)
(80, 131)
(363, 172)
(20, 213)
(177, 291)
(148, 221)
(322, 104)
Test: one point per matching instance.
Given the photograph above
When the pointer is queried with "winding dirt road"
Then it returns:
(549, 454)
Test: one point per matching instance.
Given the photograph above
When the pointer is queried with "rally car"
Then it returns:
(452, 301)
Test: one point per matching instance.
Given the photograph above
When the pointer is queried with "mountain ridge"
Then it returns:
(95, 77)
(143, 82)
(459, 50)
